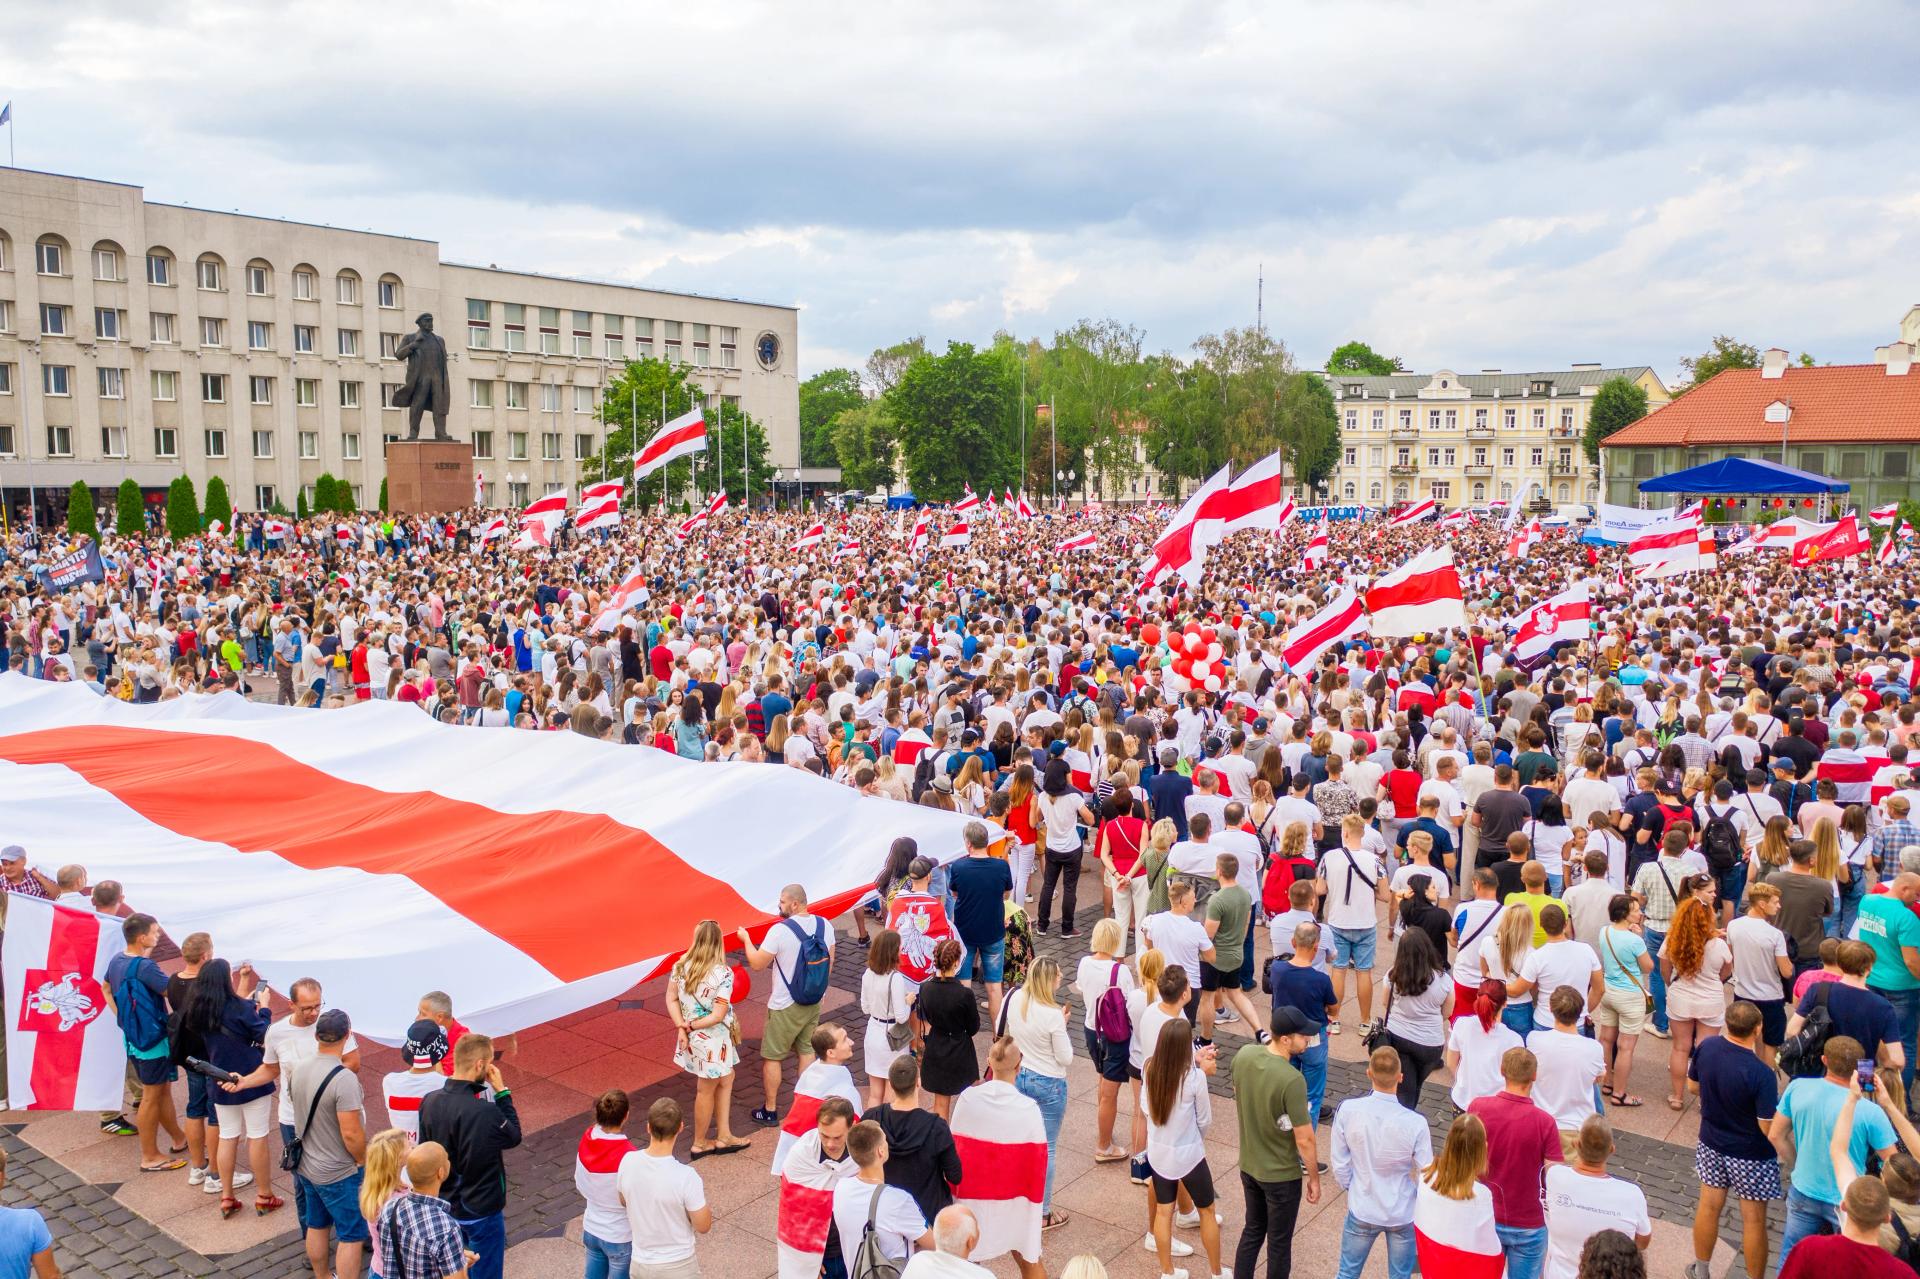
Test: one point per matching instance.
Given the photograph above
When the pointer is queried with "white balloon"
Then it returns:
(1214, 684)
(1213, 652)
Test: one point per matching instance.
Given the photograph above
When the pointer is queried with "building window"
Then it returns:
(1442, 490)
(1433, 457)
(264, 497)
(479, 394)
(349, 395)
(303, 282)
(1539, 419)
(213, 388)
(582, 447)
(483, 445)
(583, 334)
(1479, 492)
(6, 379)
(106, 267)
(1536, 456)
(160, 328)
(259, 336)
(616, 348)
(1446, 457)
(388, 390)
(1406, 419)
(1379, 422)
(516, 327)
(1453, 419)
(349, 342)
(1566, 421)
(583, 399)
(1433, 419)
(479, 324)
(1352, 419)
(671, 341)
(159, 270)
(643, 339)
(305, 337)
(516, 493)
(7, 446)
(516, 395)
(516, 446)
(1510, 418)
(1565, 459)
(213, 332)
(165, 384)
(702, 347)
(1351, 457)
(389, 346)
(1376, 457)
(1853, 464)
(209, 275)
(549, 330)
(348, 289)
(59, 441)
(56, 379)
(48, 259)
(549, 398)
(306, 392)
(309, 445)
(350, 446)
(53, 320)
(113, 383)
(550, 446)
(216, 443)
(6, 316)
(1506, 457)
(390, 295)
(259, 391)
(1893, 464)
(263, 443)
(729, 341)
(106, 324)
(258, 278)
(1479, 457)
(1814, 460)
(166, 442)
(1479, 419)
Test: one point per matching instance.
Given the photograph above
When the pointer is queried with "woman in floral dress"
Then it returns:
(699, 999)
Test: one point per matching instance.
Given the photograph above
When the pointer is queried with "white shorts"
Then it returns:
(252, 1119)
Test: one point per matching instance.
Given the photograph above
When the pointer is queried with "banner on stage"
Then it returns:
(1618, 525)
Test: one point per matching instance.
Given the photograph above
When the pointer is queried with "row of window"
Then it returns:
(1848, 464)
(1444, 456)
(678, 341)
(1449, 419)
(1442, 491)
(166, 443)
(210, 274)
(57, 380)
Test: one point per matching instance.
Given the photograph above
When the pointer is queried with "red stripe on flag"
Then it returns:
(802, 1115)
(73, 946)
(1437, 1258)
(1845, 772)
(1000, 1170)
(802, 1218)
(403, 1104)
(226, 790)
(1422, 588)
(598, 1154)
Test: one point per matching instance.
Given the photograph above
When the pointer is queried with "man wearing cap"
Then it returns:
(1278, 1153)
(18, 877)
(331, 1124)
(425, 1049)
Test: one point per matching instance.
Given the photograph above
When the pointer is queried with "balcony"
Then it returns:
(1479, 432)
(1404, 468)
(1566, 470)
(1404, 435)
(1479, 470)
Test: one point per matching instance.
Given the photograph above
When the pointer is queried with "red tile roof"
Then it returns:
(1844, 403)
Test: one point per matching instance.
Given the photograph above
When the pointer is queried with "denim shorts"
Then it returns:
(988, 963)
(1109, 1059)
(199, 1106)
(1354, 947)
(335, 1205)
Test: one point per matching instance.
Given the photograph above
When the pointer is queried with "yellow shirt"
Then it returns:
(1535, 902)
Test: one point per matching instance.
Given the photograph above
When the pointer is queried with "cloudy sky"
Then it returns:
(1469, 185)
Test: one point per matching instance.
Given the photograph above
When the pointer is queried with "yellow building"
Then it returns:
(1469, 439)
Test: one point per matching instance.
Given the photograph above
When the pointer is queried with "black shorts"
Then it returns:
(1240, 978)
(1199, 1184)
(1773, 1021)
(153, 1072)
(1109, 1059)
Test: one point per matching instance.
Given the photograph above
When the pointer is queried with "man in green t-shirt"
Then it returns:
(1888, 924)
(1229, 976)
(1278, 1157)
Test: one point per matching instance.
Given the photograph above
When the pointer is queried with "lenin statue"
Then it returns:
(426, 389)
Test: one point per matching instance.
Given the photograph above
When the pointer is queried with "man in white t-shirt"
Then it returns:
(1561, 961)
(898, 1226)
(1588, 901)
(1582, 1200)
(1589, 794)
(290, 1041)
(1175, 935)
(790, 1026)
(955, 1232)
(405, 1089)
(1473, 921)
(1570, 1066)
(1194, 855)
(665, 1202)
(1352, 881)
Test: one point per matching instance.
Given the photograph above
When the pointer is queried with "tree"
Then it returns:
(824, 397)
(863, 440)
(81, 517)
(1309, 427)
(300, 509)
(1094, 379)
(1618, 403)
(886, 365)
(383, 493)
(1249, 371)
(183, 511)
(1184, 412)
(323, 493)
(219, 505)
(950, 412)
(1725, 353)
(129, 512)
(632, 405)
(1358, 357)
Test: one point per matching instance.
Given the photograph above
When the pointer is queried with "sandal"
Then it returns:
(264, 1204)
(1676, 1104)
(228, 1206)
(1626, 1101)
(1111, 1156)
(730, 1148)
(168, 1165)
(1053, 1219)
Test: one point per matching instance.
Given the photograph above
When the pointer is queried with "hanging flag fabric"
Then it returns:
(1520, 503)
(64, 1046)
(1843, 541)
(1422, 595)
(1287, 513)
(1887, 549)
(812, 537)
(1316, 553)
(1660, 542)
(534, 533)
(1566, 616)
(918, 542)
(551, 504)
(804, 1215)
(1701, 555)
(1174, 550)
(1885, 514)
(1002, 1144)
(1343, 618)
(1026, 508)
(1521, 544)
(682, 437)
(1079, 542)
(274, 530)
(1423, 509)
(958, 535)
(817, 1082)
(1457, 519)
(631, 591)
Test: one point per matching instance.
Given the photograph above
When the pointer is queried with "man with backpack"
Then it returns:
(879, 1225)
(1723, 842)
(137, 991)
(799, 949)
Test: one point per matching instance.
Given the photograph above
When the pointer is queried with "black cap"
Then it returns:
(334, 1025)
(426, 1043)
(1288, 1020)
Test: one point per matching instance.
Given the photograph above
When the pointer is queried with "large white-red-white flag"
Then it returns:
(274, 530)
(1342, 618)
(1316, 552)
(1422, 595)
(1416, 512)
(958, 535)
(805, 1211)
(848, 549)
(600, 492)
(1566, 616)
(1025, 507)
(1002, 1144)
(967, 502)
(918, 541)
(812, 537)
(682, 437)
(1885, 514)
(1455, 1240)
(1079, 542)
(494, 528)
(1524, 539)
(601, 513)
(64, 1046)
(552, 505)
(817, 1082)
(1677, 538)
(1175, 550)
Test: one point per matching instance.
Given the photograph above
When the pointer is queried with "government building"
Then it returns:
(1471, 439)
(150, 340)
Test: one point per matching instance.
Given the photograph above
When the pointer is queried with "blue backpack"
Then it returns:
(138, 1010)
(808, 982)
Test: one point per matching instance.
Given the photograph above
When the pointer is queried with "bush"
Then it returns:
(383, 493)
(219, 505)
(81, 517)
(323, 493)
(183, 510)
(300, 505)
(129, 516)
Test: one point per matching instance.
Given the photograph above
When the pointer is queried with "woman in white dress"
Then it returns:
(886, 997)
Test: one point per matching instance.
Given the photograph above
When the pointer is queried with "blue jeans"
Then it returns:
(1313, 1064)
(1555, 883)
(1656, 985)
(486, 1236)
(1842, 923)
(1526, 1250)
(1906, 1006)
(1356, 1243)
(606, 1260)
(1805, 1216)
(1051, 1096)
(1517, 1016)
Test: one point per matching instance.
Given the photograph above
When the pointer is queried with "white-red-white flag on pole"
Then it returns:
(493, 528)
(1342, 618)
(1287, 513)
(1002, 1144)
(1700, 555)
(1317, 547)
(1454, 520)
(1026, 508)
(918, 541)
(847, 549)
(681, 437)
(812, 537)
(1566, 616)
(1905, 531)
(1885, 514)
(551, 504)
(1175, 550)
(1524, 539)
(1080, 542)
(958, 535)
(632, 590)
(1418, 511)
(716, 504)
(1422, 595)
(535, 532)
(1657, 543)
(604, 513)
(1887, 548)
(64, 1046)
(615, 489)
(966, 503)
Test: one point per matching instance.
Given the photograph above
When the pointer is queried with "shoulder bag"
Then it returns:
(1631, 975)
(296, 1144)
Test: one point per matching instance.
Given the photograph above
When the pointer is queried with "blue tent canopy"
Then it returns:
(1743, 475)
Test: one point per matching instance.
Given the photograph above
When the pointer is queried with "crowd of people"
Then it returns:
(1696, 825)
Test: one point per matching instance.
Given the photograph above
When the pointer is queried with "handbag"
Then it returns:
(1375, 1037)
(1631, 975)
(295, 1145)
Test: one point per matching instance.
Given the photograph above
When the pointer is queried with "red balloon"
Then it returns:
(1210, 635)
(742, 985)
(1149, 634)
(1806, 501)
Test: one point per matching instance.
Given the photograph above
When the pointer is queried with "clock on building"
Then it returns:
(767, 348)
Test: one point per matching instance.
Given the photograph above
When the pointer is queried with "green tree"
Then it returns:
(1093, 377)
(219, 505)
(1184, 415)
(323, 493)
(1620, 402)
(886, 365)
(1250, 368)
(1309, 426)
(81, 517)
(1725, 353)
(863, 441)
(300, 509)
(383, 493)
(950, 412)
(183, 511)
(129, 513)
(824, 397)
(635, 398)
(1358, 357)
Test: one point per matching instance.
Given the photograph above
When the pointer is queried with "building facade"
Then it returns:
(1854, 422)
(1470, 439)
(143, 341)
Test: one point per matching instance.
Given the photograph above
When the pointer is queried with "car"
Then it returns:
(1574, 512)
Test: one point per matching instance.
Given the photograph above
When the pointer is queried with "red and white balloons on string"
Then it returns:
(1197, 659)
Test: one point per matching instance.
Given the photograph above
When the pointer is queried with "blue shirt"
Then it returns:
(22, 1234)
(980, 885)
(1168, 792)
(1738, 1093)
(1814, 1107)
(1307, 990)
(1379, 1149)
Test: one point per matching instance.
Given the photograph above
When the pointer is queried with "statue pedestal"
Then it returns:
(429, 477)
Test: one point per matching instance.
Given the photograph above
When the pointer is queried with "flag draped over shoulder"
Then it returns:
(817, 1082)
(805, 1211)
(1002, 1143)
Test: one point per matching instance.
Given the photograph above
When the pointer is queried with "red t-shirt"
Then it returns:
(1123, 842)
(660, 658)
(1403, 788)
(1824, 1255)
(1522, 1140)
(455, 1032)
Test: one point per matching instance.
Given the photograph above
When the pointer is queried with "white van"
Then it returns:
(1574, 512)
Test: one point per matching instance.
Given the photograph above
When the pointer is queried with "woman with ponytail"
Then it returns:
(1476, 1044)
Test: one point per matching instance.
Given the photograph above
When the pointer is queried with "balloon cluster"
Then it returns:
(1196, 659)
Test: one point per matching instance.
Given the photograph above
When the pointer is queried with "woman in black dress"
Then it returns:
(947, 1060)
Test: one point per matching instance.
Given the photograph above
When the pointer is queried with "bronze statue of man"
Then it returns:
(426, 389)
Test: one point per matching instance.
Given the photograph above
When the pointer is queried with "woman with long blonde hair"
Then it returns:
(1450, 1191)
(700, 1002)
(777, 734)
(1035, 1021)
(1827, 862)
(1775, 843)
(1151, 964)
(1695, 961)
(380, 1181)
(1501, 956)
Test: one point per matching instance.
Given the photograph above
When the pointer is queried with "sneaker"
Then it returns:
(1226, 1015)
(241, 1180)
(1178, 1273)
(117, 1127)
(1333, 1028)
(197, 1175)
(1137, 1174)
(1188, 1220)
(1181, 1248)
(1658, 1033)
(1069, 932)
(1698, 1270)
(211, 1185)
